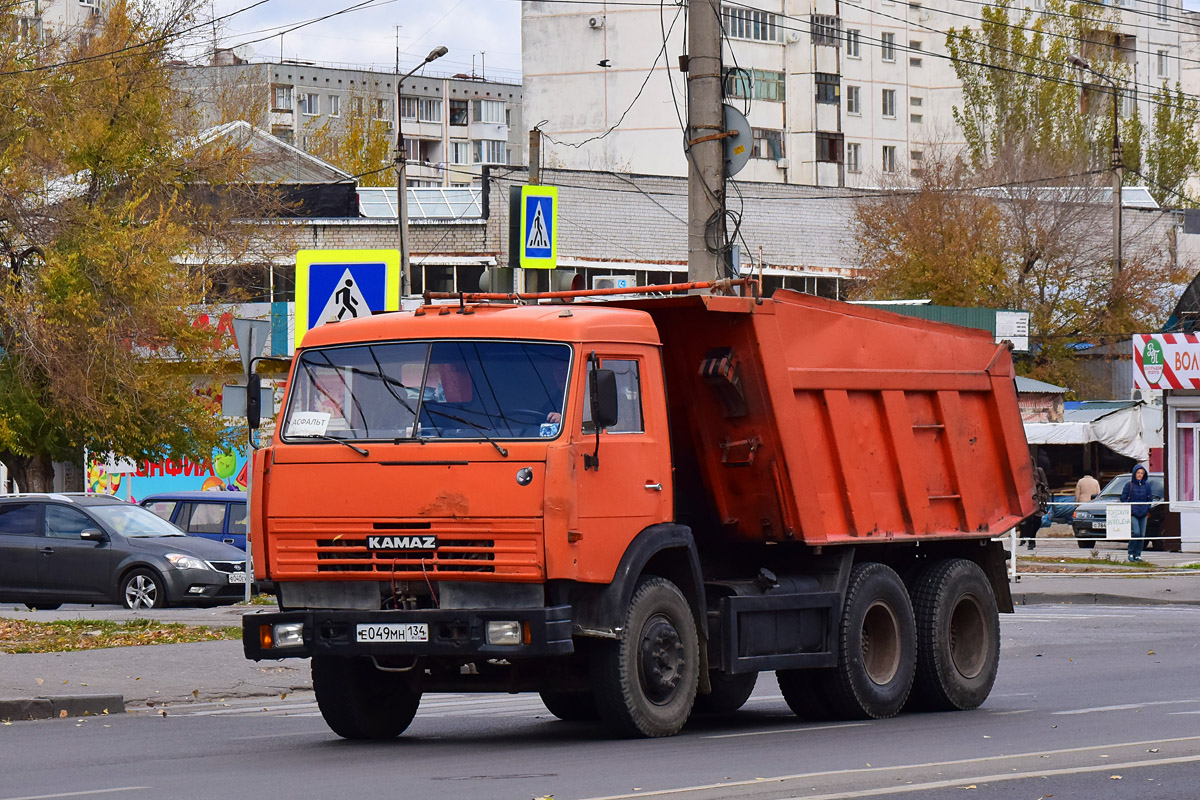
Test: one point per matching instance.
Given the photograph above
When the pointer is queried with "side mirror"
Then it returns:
(603, 387)
(92, 535)
(253, 401)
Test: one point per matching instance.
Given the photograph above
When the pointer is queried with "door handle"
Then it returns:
(655, 486)
(227, 541)
(46, 551)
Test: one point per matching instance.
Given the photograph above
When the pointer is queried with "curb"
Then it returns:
(77, 705)
(1097, 599)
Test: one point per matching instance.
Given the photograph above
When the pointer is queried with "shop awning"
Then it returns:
(1118, 428)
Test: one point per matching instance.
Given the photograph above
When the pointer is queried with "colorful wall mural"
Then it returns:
(227, 470)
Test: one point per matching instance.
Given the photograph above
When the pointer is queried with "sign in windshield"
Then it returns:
(454, 389)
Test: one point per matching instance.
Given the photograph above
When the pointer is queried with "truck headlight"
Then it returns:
(281, 634)
(180, 561)
(503, 633)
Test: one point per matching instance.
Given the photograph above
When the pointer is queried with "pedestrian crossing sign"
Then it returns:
(340, 285)
(539, 227)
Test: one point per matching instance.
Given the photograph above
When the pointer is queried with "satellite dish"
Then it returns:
(739, 146)
(243, 52)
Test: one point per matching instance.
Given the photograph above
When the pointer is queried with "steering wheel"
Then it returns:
(525, 416)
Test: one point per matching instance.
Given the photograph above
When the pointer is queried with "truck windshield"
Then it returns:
(456, 389)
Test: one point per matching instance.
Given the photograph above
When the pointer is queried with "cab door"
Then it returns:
(631, 488)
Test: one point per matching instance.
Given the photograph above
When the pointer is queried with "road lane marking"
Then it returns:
(925, 766)
(785, 730)
(81, 794)
(1121, 707)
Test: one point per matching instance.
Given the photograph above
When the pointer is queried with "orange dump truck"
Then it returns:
(634, 508)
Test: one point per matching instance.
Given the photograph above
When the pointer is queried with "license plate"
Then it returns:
(1099, 526)
(392, 632)
(237, 577)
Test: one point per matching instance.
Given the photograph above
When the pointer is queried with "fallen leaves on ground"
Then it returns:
(21, 636)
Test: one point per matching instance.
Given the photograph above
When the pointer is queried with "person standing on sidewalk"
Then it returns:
(1139, 494)
(1086, 488)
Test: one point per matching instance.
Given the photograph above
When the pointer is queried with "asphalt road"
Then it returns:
(1096, 702)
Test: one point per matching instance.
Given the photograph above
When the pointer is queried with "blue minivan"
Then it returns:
(220, 516)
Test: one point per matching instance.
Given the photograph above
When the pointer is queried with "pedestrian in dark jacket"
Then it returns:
(1138, 493)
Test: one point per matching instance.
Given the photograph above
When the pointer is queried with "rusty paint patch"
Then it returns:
(446, 504)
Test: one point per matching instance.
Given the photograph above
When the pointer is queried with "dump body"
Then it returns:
(831, 423)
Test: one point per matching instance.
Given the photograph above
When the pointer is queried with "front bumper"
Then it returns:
(455, 632)
(201, 586)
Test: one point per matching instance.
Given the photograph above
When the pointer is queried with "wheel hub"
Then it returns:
(660, 659)
(881, 643)
(968, 637)
(141, 593)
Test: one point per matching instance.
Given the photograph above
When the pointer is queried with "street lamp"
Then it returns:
(1116, 164)
(402, 175)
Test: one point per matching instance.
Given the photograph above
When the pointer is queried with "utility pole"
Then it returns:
(530, 279)
(706, 145)
(402, 174)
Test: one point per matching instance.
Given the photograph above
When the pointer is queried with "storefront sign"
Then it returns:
(1166, 361)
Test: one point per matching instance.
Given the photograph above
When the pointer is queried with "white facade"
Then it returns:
(866, 84)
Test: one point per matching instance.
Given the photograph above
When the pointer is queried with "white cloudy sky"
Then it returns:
(367, 35)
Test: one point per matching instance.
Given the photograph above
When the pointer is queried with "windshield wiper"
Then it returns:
(362, 451)
(468, 422)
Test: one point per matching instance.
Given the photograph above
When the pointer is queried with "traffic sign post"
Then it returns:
(339, 285)
(538, 243)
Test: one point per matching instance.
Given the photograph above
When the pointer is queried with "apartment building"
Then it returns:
(38, 18)
(838, 92)
(451, 125)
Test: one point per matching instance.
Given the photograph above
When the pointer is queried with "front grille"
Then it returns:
(509, 548)
(229, 566)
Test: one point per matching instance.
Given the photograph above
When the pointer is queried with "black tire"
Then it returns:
(1086, 544)
(43, 606)
(143, 588)
(806, 692)
(645, 681)
(958, 636)
(729, 692)
(877, 646)
(361, 702)
(571, 706)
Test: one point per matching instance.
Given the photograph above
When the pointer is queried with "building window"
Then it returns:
(738, 82)
(828, 85)
(829, 147)
(826, 29)
(889, 158)
(489, 151)
(767, 144)
(310, 104)
(916, 155)
(460, 152)
(914, 62)
(335, 105)
(852, 42)
(489, 111)
(1129, 103)
(1162, 7)
(914, 45)
(915, 101)
(458, 112)
(916, 119)
(889, 103)
(356, 106)
(412, 150)
(769, 86)
(887, 46)
(1164, 69)
(429, 110)
(745, 23)
(853, 157)
(854, 100)
(383, 110)
(283, 98)
(408, 108)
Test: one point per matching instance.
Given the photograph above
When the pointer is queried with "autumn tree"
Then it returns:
(116, 213)
(357, 143)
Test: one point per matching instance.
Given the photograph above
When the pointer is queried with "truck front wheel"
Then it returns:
(958, 636)
(645, 681)
(877, 648)
(361, 702)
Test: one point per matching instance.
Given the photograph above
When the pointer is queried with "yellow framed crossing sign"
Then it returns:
(337, 285)
(539, 227)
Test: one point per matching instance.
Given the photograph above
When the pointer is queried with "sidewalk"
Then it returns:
(159, 677)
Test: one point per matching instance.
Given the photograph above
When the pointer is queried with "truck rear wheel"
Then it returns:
(571, 706)
(877, 648)
(361, 702)
(958, 636)
(729, 692)
(645, 682)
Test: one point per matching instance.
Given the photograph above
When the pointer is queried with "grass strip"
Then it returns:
(21, 636)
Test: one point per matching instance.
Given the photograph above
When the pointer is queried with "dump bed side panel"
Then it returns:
(814, 420)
